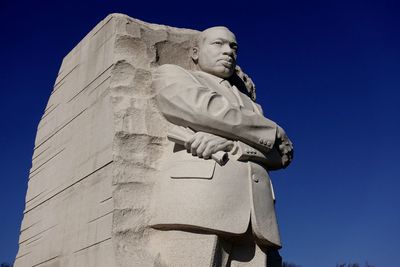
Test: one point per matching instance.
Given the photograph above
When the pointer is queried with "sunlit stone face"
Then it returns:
(216, 52)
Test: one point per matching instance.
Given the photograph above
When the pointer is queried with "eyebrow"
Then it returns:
(225, 40)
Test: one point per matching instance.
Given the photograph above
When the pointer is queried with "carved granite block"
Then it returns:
(97, 149)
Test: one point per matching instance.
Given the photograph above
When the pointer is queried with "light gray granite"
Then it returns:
(97, 147)
(140, 165)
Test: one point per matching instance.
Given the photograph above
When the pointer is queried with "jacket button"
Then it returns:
(269, 143)
(255, 178)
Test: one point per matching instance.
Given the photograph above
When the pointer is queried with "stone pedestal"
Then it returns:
(97, 149)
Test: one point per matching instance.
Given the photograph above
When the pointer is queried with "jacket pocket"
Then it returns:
(192, 169)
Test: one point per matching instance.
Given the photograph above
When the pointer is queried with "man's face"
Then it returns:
(216, 52)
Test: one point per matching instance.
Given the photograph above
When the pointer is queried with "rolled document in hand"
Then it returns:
(180, 135)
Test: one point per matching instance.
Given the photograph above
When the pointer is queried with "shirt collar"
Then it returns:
(216, 78)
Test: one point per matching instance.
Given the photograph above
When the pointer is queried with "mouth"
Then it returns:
(227, 62)
(228, 59)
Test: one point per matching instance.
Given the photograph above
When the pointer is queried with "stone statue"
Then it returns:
(213, 201)
(112, 183)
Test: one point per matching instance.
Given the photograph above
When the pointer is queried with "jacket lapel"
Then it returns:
(215, 84)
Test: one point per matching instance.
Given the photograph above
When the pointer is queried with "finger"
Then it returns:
(195, 144)
(200, 149)
(188, 143)
(187, 146)
(284, 148)
(225, 146)
(209, 150)
(228, 146)
(281, 147)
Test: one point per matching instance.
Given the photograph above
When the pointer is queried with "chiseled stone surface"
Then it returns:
(97, 149)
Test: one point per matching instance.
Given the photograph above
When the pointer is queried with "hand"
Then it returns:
(285, 146)
(203, 145)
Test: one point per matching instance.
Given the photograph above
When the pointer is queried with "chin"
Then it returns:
(223, 73)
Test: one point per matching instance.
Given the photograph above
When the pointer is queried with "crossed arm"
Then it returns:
(217, 122)
(204, 145)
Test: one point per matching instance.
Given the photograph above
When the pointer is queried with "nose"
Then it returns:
(228, 50)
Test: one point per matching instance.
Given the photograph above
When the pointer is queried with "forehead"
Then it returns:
(218, 33)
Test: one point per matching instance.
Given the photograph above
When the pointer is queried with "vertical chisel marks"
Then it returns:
(33, 175)
(103, 43)
(59, 129)
(48, 111)
(28, 227)
(92, 245)
(48, 160)
(56, 87)
(90, 83)
(94, 89)
(101, 27)
(23, 255)
(44, 150)
(65, 188)
(104, 215)
(46, 261)
(104, 200)
(32, 241)
(41, 232)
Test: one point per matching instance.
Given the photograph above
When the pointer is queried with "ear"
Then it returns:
(194, 54)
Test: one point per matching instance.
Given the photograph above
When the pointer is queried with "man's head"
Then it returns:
(215, 52)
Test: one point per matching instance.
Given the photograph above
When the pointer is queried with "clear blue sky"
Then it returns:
(327, 71)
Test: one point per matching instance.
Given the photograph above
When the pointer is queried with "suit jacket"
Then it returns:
(197, 194)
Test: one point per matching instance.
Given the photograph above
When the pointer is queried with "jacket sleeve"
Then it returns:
(184, 101)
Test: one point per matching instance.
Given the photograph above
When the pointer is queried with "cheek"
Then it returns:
(212, 54)
(207, 60)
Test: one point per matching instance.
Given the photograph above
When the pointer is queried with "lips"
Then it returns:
(227, 62)
(227, 59)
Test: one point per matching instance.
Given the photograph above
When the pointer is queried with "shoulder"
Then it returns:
(168, 74)
(169, 69)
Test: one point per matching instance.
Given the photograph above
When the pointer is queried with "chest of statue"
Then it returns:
(230, 92)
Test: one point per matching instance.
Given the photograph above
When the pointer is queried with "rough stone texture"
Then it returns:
(97, 149)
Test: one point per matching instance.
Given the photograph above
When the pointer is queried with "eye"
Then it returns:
(217, 43)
